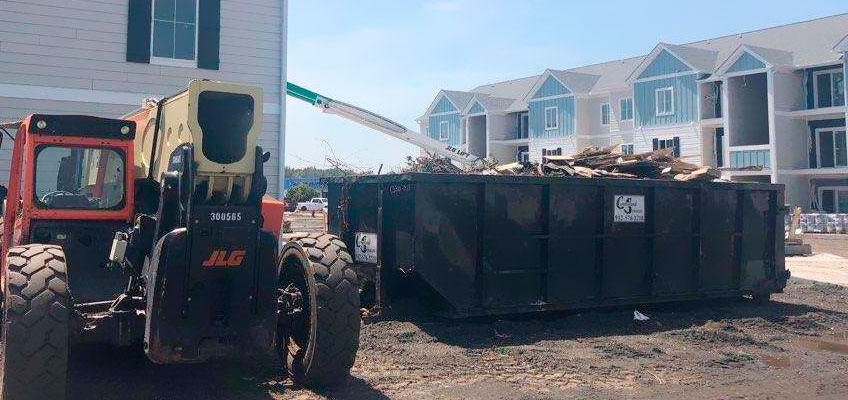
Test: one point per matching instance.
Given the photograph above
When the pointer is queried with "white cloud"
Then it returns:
(444, 6)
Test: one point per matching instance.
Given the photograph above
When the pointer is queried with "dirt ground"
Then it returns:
(830, 243)
(821, 267)
(793, 347)
(305, 221)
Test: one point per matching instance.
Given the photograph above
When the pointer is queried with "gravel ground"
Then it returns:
(794, 347)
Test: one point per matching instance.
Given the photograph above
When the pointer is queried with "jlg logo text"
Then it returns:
(221, 258)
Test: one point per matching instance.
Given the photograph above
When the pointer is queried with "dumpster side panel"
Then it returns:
(577, 223)
(514, 246)
(674, 247)
(718, 271)
(626, 247)
(398, 235)
(446, 240)
(754, 238)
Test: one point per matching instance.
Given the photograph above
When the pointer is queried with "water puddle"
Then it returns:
(819, 344)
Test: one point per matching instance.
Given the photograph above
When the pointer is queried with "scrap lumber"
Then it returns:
(592, 162)
(700, 174)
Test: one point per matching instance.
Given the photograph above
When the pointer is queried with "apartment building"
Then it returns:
(767, 106)
(104, 57)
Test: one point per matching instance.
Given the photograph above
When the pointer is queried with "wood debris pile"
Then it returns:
(608, 162)
(593, 162)
(431, 164)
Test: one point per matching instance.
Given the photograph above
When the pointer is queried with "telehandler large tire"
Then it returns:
(37, 305)
(323, 331)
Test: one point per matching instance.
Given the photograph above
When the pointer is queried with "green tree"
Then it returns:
(301, 192)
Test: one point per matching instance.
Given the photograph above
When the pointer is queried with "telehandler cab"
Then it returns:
(155, 228)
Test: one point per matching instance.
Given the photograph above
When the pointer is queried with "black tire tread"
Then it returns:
(338, 315)
(35, 335)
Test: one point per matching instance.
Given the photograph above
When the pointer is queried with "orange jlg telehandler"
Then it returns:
(155, 228)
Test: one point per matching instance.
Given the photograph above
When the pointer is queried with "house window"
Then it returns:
(552, 152)
(673, 143)
(444, 131)
(605, 114)
(833, 199)
(829, 87)
(664, 99)
(626, 106)
(551, 118)
(627, 148)
(523, 154)
(831, 148)
(524, 131)
(174, 32)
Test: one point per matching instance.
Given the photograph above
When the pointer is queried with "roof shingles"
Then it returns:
(803, 44)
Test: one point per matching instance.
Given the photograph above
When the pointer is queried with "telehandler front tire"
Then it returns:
(37, 305)
(321, 344)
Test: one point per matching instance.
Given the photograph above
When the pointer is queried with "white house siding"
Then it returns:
(621, 137)
(568, 145)
(616, 124)
(81, 45)
(690, 140)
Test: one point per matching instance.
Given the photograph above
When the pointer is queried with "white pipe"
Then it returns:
(281, 157)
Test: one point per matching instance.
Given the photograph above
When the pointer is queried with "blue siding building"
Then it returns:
(551, 110)
(648, 95)
(444, 120)
(664, 64)
(746, 62)
(756, 105)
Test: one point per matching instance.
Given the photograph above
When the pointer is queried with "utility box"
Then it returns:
(508, 244)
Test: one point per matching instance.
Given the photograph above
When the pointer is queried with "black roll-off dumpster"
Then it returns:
(506, 244)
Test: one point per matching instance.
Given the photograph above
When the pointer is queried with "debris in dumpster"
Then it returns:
(592, 162)
(637, 316)
(431, 164)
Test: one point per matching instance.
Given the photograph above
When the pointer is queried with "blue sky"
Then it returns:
(392, 57)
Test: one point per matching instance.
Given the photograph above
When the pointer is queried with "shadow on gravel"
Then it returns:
(106, 372)
(353, 389)
(525, 329)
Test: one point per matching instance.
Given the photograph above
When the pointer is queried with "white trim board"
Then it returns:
(674, 75)
(33, 92)
(747, 72)
(554, 97)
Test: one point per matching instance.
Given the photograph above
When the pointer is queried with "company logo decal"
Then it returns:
(223, 258)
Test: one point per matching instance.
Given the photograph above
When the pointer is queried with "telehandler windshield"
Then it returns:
(78, 177)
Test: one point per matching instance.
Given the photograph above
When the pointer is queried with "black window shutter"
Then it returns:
(209, 34)
(676, 146)
(139, 16)
(813, 160)
(656, 144)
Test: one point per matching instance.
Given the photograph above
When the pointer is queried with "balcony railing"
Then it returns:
(750, 158)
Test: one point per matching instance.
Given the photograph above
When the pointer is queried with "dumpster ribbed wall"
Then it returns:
(499, 244)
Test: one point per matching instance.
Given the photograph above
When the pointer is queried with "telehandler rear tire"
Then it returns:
(37, 305)
(322, 344)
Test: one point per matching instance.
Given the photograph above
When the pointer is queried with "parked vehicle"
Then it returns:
(170, 240)
(316, 204)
